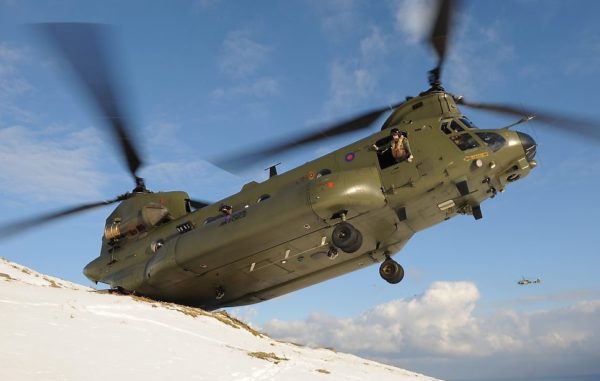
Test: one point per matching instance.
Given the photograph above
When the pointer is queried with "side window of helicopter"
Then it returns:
(492, 140)
(384, 154)
(467, 122)
(450, 127)
(464, 141)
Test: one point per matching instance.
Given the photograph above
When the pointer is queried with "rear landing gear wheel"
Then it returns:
(346, 237)
(391, 271)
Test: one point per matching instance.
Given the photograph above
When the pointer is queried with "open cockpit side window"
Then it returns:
(384, 156)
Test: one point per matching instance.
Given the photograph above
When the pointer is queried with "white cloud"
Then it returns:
(475, 57)
(259, 88)
(241, 61)
(11, 54)
(413, 19)
(49, 166)
(348, 84)
(12, 83)
(374, 46)
(162, 135)
(241, 56)
(173, 173)
(441, 325)
(435, 322)
(355, 79)
(338, 17)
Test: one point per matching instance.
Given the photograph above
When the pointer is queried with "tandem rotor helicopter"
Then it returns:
(524, 281)
(341, 212)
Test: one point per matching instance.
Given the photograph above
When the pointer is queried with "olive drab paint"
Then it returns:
(279, 237)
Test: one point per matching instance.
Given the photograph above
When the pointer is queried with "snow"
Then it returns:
(52, 329)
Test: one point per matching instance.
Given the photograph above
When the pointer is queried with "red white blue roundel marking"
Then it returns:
(350, 156)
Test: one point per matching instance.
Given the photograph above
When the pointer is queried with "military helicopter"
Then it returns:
(525, 282)
(351, 208)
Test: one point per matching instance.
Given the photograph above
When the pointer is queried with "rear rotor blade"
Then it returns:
(576, 125)
(234, 163)
(85, 48)
(33, 222)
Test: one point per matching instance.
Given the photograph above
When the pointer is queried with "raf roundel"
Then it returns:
(350, 156)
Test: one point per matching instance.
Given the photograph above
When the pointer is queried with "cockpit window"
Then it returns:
(464, 141)
(450, 127)
(467, 122)
(492, 140)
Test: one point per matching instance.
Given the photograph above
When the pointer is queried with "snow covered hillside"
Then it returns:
(51, 329)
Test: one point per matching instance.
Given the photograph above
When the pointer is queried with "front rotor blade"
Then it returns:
(33, 222)
(234, 163)
(441, 28)
(583, 127)
(440, 35)
(85, 48)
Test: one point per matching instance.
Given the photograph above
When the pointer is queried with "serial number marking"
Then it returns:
(476, 156)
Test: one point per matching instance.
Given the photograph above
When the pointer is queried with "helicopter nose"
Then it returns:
(529, 145)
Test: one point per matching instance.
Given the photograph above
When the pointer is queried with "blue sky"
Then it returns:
(204, 77)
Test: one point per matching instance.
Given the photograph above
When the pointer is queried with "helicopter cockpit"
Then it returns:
(465, 140)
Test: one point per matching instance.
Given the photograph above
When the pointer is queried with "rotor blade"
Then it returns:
(440, 34)
(583, 127)
(85, 48)
(32, 222)
(233, 163)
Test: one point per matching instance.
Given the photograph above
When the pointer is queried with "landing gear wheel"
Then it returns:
(346, 237)
(391, 271)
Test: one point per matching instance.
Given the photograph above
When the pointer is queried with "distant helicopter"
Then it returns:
(337, 213)
(524, 281)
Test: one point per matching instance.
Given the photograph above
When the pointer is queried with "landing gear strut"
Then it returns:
(391, 271)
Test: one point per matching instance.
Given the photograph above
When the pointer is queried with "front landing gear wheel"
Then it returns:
(391, 271)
